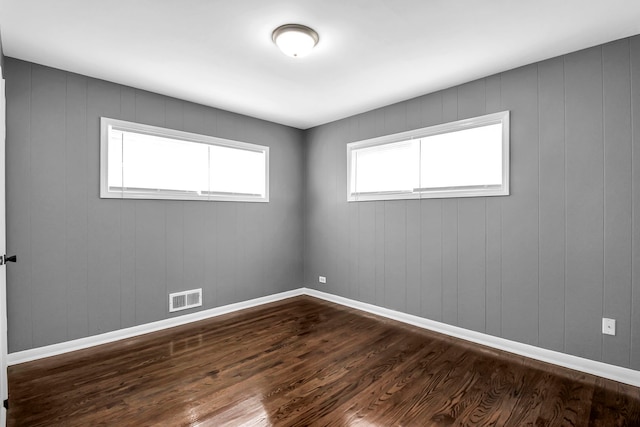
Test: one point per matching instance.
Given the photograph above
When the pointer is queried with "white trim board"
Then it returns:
(616, 373)
(82, 343)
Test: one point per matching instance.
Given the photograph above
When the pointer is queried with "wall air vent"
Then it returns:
(185, 299)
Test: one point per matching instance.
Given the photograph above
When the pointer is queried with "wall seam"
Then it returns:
(501, 101)
(633, 222)
(66, 200)
(31, 296)
(539, 193)
(604, 200)
(564, 288)
(86, 125)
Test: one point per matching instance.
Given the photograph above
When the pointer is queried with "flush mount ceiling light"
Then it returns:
(295, 40)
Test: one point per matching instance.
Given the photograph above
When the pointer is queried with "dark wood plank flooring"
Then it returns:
(306, 362)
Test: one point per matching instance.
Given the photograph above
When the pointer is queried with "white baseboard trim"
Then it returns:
(82, 343)
(616, 373)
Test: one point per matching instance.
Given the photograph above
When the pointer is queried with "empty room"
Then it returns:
(320, 213)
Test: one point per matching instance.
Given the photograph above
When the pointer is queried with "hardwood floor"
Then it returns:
(304, 362)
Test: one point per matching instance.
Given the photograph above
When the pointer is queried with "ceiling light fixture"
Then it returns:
(295, 40)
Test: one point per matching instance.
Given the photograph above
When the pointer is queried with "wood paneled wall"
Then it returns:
(89, 265)
(541, 266)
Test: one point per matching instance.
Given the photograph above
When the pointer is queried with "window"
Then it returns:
(147, 162)
(467, 158)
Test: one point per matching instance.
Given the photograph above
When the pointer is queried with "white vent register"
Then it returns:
(185, 299)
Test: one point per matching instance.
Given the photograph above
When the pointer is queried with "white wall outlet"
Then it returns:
(608, 326)
(322, 279)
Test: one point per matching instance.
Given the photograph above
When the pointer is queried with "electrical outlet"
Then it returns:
(608, 326)
(322, 279)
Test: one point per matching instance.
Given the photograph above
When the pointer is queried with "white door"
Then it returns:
(4, 394)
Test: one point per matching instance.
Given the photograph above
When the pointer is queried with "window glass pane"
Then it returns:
(147, 162)
(237, 171)
(385, 168)
(465, 158)
(469, 157)
(153, 163)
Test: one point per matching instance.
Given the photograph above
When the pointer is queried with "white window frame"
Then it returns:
(429, 193)
(108, 123)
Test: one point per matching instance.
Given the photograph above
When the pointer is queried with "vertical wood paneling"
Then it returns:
(319, 210)
(175, 235)
(340, 223)
(366, 127)
(395, 257)
(472, 99)
(431, 228)
(413, 250)
(450, 105)
(493, 227)
(493, 251)
(450, 229)
(354, 238)
(227, 244)
(285, 209)
(431, 258)
(153, 220)
(552, 204)
(395, 226)
(48, 242)
(497, 264)
(520, 210)
(249, 251)
(105, 264)
(128, 265)
(104, 225)
(432, 109)
(380, 253)
(413, 257)
(585, 217)
(395, 118)
(127, 231)
(471, 229)
(194, 245)
(326, 214)
(617, 203)
(635, 207)
(471, 264)
(174, 114)
(152, 301)
(150, 108)
(379, 129)
(18, 209)
(353, 213)
(211, 256)
(415, 118)
(312, 200)
(254, 228)
(367, 252)
(244, 252)
(174, 246)
(493, 267)
(76, 203)
(227, 230)
(449, 223)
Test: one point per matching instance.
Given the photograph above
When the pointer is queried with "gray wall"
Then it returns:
(88, 265)
(1, 55)
(541, 266)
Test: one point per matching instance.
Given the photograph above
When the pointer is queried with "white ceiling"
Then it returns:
(371, 52)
